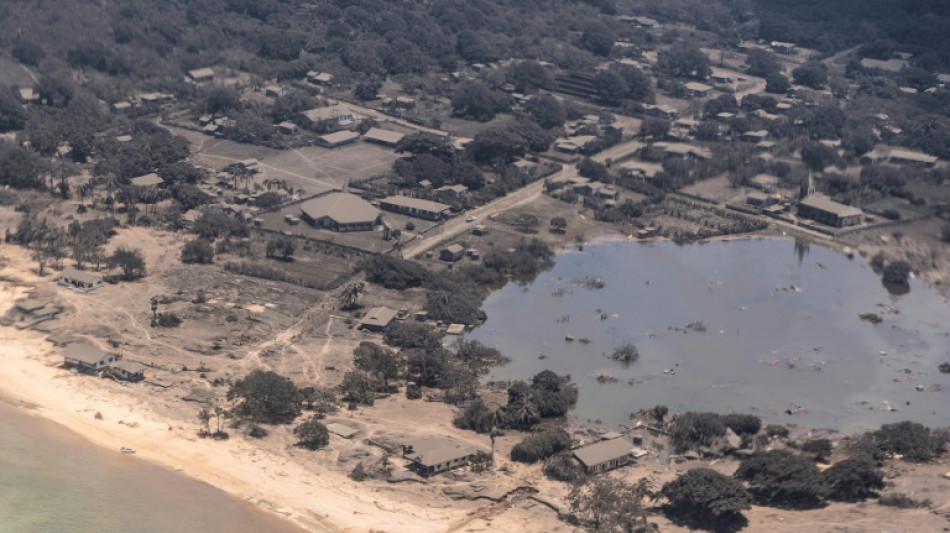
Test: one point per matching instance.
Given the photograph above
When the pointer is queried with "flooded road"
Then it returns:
(764, 326)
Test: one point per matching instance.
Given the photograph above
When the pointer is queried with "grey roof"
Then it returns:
(603, 451)
(379, 317)
(434, 451)
(416, 203)
(454, 249)
(129, 366)
(823, 203)
(201, 73)
(342, 430)
(85, 353)
(79, 275)
(910, 155)
(343, 208)
(333, 112)
(147, 180)
(383, 136)
(340, 137)
(890, 65)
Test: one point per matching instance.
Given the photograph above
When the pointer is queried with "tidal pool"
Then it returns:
(782, 335)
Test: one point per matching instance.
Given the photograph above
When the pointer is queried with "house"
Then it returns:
(430, 456)
(525, 167)
(275, 91)
(783, 48)
(754, 136)
(128, 370)
(683, 150)
(287, 127)
(605, 455)
(452, 191)
(825, 210)
(28, 95)
(415, 207)
(340, 114)
(404, 102)
(320, 78)
(87, 358)
(199, 75)
(640, 22)
(480, 230)
(455, 329)
(122, 107)
(585, 187)
(148, 180)
(663, 111)
(572, 145)
(452, 253)
(640, 169)
(383, 137)
(697, 89)
(608, 192)
(377, 319)
(341, 212)
(335, 140)
(900, 156)
(760, 199)
(719, 75)
(30, 311)
(77, 279)
(764, 182)
(154, 98)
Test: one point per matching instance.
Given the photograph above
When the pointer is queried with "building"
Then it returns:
(764, 182)
(122, 107)
(87, 358)
(663, 111)
(754, 136)
(640, 22)
(77, 279)
(30, 311)
(383, 137)
(900, 156)
(452, 191)
(760, 199)
(287, 127)
(340, 211)
(28, 95)
(404, 102)
(891, 65)
(783, 48)
(340, 114)
(719, 75)
(148, 180)
(275, 91)
(415, 207)
(335, 140)
(697, 89)
(430, 456)
(201, 74)
(452, 253)
(605, 455)
(683, 150)
(320, 78)
(825, 210)
(377, 319)
(343, 430)
(250, 165)
(128, 370)
(640, 169)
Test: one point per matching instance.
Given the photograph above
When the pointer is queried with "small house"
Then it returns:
(605, 455)
(764, 182)
(697, 89)
(760, 199)
(28, 95)
(415, 207)
(452, 191)
(80, 280)
(121, 107)
(455, 329)
(340, 212)
(87, 358)
(287, 127)
(320, 78)
(900, 156)
(663, 111)
(128, 370)
(383, 137)
(377, 319)
(275, 91)
(452, 253)
(343, 430)
(148, 180)
(783, 48)
(430, 456)
(335, 140)
(199, 75)
(754, 136)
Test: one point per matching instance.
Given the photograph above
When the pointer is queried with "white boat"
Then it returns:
(127, 449)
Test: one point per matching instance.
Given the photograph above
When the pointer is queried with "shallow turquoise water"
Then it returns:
(782, 333)
(52, 480)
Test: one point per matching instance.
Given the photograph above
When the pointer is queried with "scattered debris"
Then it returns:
(604, 377)
(871, 317)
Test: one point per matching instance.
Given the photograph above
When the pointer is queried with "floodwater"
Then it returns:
(783, 338)
(51, 480)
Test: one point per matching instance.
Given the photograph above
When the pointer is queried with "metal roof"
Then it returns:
(415, 203)
(432, 451)
(379, 317)
(823, 203)
(341, 207)
(85, 353)
(603, 451)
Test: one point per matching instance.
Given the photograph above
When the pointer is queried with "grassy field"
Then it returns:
(13, 73)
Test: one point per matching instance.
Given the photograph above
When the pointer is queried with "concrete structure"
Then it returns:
(455, 329)
(430, 456)
(80, 280)
(452, 191)
(128, 370)
(201, 74)
(28, 95)
(825, 210)
(148, 180)
(122, 107)
(452, 253)
(377, 319)
(87, 358)
(605, 455)
(287, 127)
(415, 207)
(274, 91)
(347, 432)
(754, 136)
(900, 156)
(335, 140)
(783, 48)
(340, 211)
(383, 137)
(697, 89)
(340, 114)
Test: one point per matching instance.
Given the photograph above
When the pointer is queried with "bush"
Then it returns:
(782, 479)
(705, 498)
(257, 432)
(197, 251)
(312, 434)
(903, 501)
(563, 467)
(896, 273)
(742, 424)
(852, 480)
(694, 430)
(476, 417)
(626, 353)
(541, 445)
(167, 320)
(776, 430)
(820, 449)
(265, 397)
(911, 440)
(413, 392)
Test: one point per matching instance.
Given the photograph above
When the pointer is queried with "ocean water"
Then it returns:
(52, 480)
(782, 334)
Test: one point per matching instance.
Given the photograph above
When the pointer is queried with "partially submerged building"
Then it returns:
(605, 455)
(340, 211)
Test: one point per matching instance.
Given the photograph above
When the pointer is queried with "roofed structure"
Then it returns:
(827, 211)
(333, 140)
(201, 74)
(87, 357)
(340, 211)
(148, 180)
(378, 318)
(384, 137)
(78, 279)
(430, 456)
(605, 455)
(416, 207)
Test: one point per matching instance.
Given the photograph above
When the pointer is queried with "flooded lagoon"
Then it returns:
(782, 333)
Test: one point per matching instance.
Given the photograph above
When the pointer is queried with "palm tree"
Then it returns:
(350, 294)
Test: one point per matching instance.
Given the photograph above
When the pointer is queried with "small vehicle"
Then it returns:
(127, 449)
(471, 218)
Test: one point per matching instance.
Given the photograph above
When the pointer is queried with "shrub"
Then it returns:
(742, 424)
(626, 353)
(312, 434)
(694, 430)
(257, 432)
(167, 320)
(820, 449)
(197, 251)
(776, 430)
(852, 480)
(896, 273)
(563, 467)
(903, 501)
(541, 445)
(782, 479)
(913, 441)
(944, 368)
(659, 413)
(476, 417)
(413, 392)
(706, 498)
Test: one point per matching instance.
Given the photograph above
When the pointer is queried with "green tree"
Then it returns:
(197, 251)
(780, 478)
(281, 247)
(610, 505)
(130, 260)
(707, 499)
(694, 430)
(812, 74)
(852, 480)
(263, 396)
(776, 83)
(312, 434)
(558, 224)
(597, 38)
(377, 361)
(684, 61)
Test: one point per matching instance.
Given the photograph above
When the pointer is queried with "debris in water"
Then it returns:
(888, 406)
(569, 337)
(584, 340)
(871, 317)
(604, 377)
